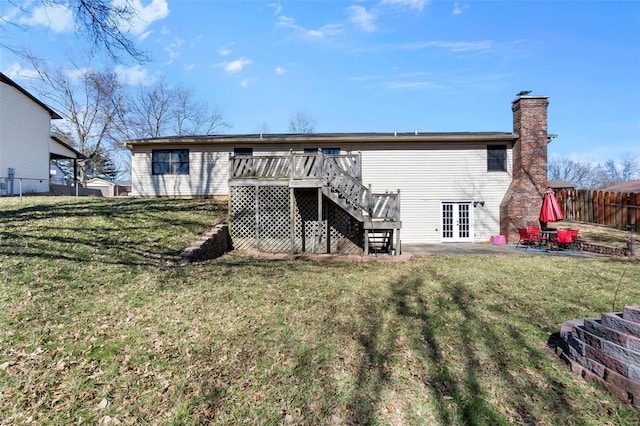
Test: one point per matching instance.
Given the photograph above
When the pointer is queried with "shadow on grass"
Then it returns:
(458, 398)
(113, 231)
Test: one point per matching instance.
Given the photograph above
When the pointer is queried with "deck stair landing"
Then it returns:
(607, 350)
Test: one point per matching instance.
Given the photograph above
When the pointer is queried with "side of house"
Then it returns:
(25, 129)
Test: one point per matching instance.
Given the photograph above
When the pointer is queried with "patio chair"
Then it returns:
(565, 239)
(574, 237)
(528, 239)
(535, 232)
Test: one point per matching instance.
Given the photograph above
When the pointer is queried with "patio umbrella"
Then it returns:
(550, 211)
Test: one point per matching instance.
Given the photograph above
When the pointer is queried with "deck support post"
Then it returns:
(366, 242)
(397, 216)
(317, 238)
(292, 219)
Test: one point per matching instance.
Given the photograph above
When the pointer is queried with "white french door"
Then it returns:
(457, 222)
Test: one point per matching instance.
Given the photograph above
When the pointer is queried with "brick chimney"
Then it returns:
(523, 200)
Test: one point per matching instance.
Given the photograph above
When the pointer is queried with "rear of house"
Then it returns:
(458, 186)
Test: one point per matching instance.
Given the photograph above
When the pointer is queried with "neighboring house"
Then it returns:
(26, 144)
(560, 185)
(629, 187)
(453, 187)
(108, 188)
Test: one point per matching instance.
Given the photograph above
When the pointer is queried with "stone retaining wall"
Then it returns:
(210, 245)
(606, 350)
(602, 249)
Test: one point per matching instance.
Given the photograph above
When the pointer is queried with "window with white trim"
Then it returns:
(170, 161)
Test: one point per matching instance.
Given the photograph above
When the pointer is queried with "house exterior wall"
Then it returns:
(24, 128)
(208, 174)
(433, 174)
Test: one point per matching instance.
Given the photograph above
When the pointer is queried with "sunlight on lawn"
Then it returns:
(99, 322)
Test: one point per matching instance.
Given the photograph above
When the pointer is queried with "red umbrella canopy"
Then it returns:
(550, 211)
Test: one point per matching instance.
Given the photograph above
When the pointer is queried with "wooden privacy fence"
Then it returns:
(617, 209)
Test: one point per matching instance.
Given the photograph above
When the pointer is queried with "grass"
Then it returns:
(98, 323)
(599, 234)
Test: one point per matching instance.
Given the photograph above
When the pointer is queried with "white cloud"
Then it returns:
(190, 67)
(196, 41)
(234, 67)
(57, 18)
(244, 83)
(362, 18)
(454, 46)
(459, 8)
(401, 85)
(77, 74)
(412, 4)
(144, 15)
(223, 51)
(16, 71)
(322, 32)
(277, 8)
(135, 75)
(280, 70)
(174, 49)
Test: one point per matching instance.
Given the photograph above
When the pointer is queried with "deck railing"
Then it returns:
(292, 166)
(386, 206)
(342, 173)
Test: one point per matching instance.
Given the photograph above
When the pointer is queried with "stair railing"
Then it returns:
(347, 186)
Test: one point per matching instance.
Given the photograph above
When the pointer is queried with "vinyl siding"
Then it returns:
(24, 140)
(426, 175)
(208, 174)
(429, 176)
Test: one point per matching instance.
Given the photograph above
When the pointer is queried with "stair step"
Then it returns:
(594, 326)
(615, 321)
(631, 313)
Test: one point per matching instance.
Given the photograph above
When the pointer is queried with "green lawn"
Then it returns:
(99, 323)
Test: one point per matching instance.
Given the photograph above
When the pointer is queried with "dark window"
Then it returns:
(170, 161)
(325, 151)
(243, 151)
(497, 158)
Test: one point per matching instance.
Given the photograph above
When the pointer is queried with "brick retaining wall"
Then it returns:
(210, 245)
(583, 245)
(607, 350)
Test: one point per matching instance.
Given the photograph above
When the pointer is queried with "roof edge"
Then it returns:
(4, 79)
(328, 137)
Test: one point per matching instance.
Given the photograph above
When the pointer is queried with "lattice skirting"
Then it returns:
(263, 218)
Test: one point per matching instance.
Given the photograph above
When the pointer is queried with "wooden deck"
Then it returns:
(336, 178)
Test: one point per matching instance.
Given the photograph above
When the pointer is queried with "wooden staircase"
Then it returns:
(379, 213)
(339, 179)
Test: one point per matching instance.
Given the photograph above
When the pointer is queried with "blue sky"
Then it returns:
(380, 66)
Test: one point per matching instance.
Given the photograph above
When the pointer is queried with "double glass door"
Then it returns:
(457, 223)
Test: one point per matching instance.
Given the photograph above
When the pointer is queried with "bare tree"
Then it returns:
(163, 110)
(630, 167)
(263, 128)
(579, 172)
(302, 122)
(102, 23)
(586, 174)
(89, 102)
(611, 171)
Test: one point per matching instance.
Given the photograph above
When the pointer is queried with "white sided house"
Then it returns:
(26, 144)
(355, 192)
